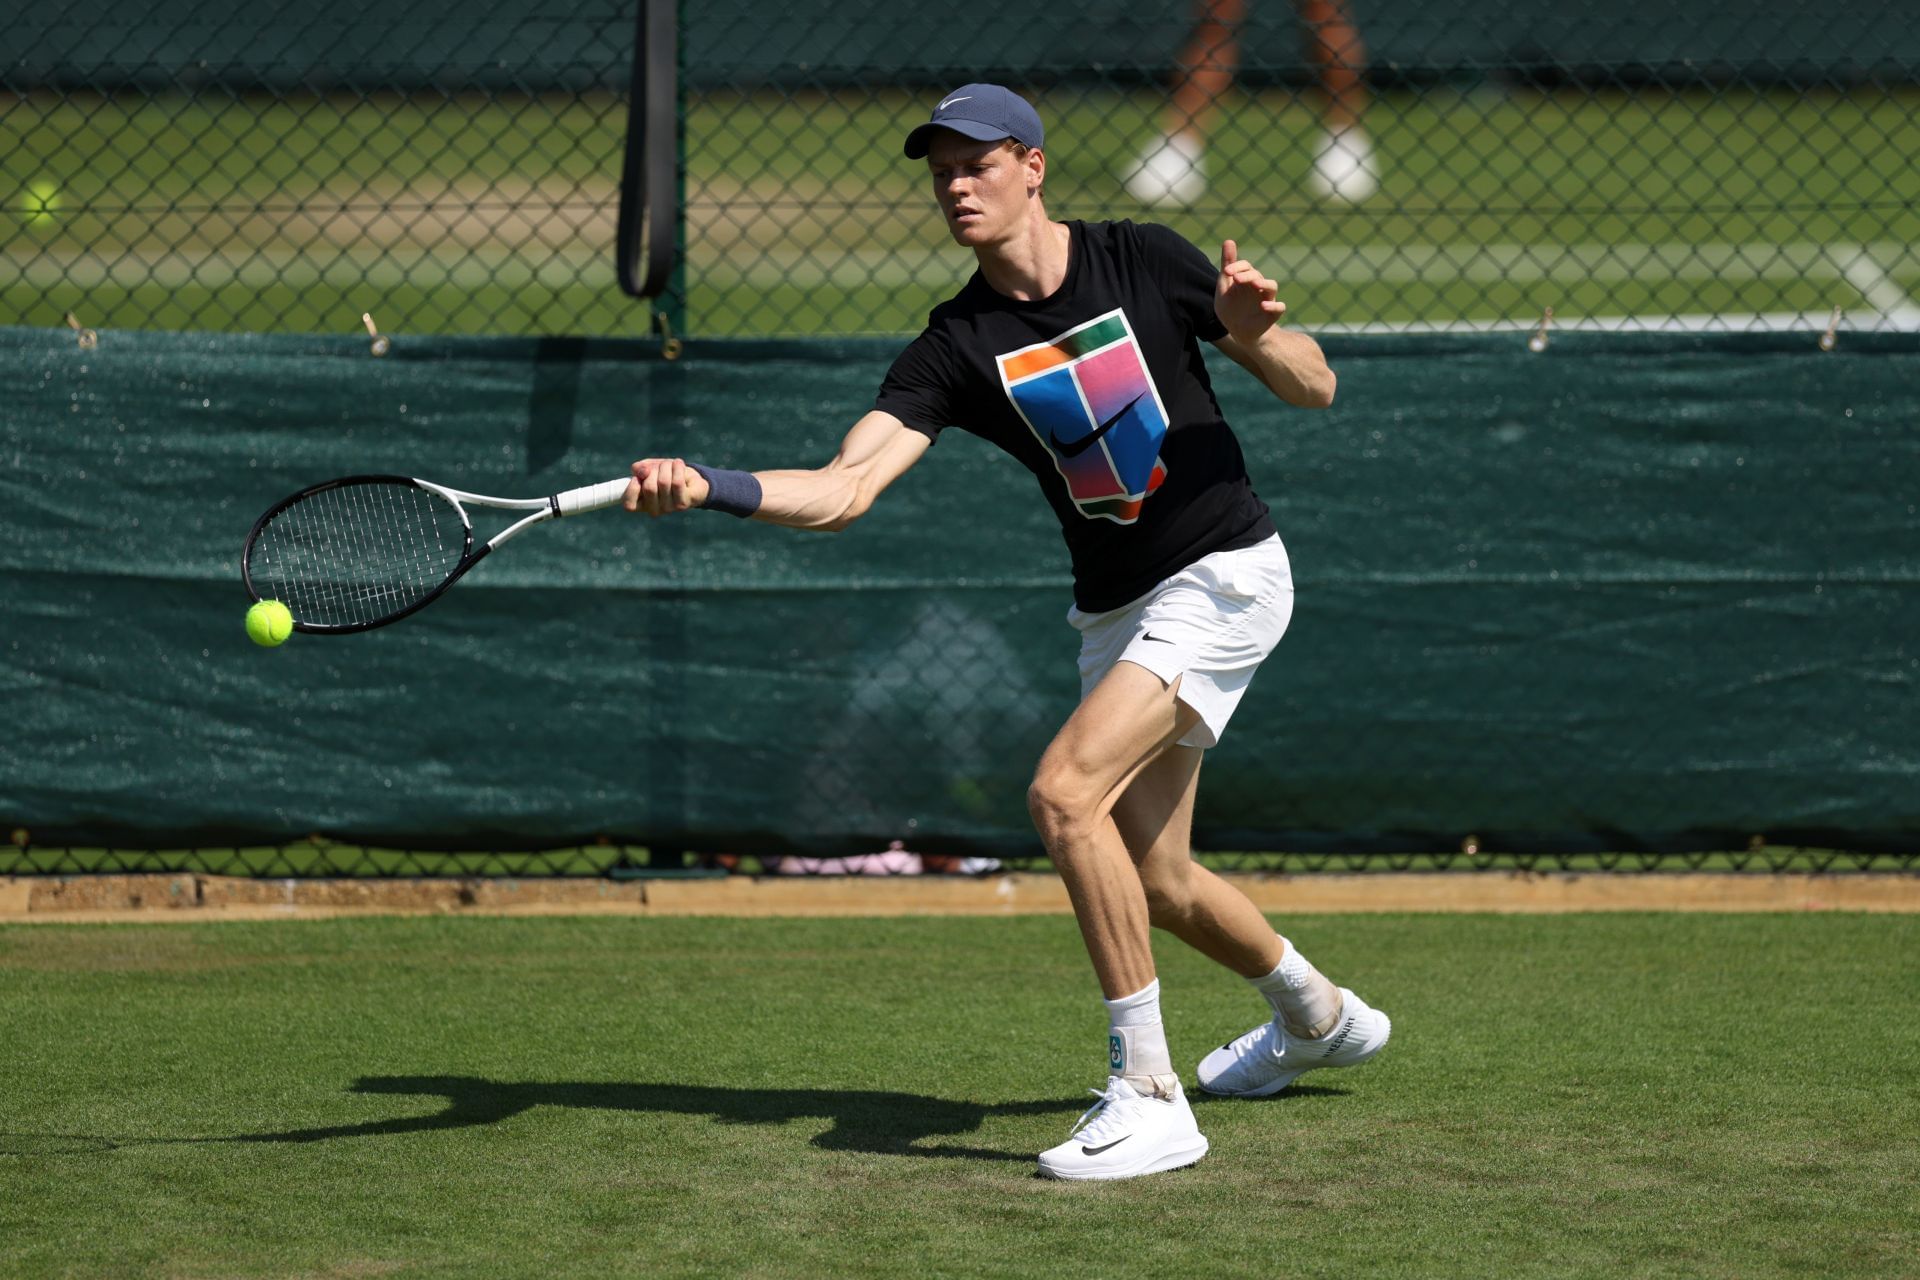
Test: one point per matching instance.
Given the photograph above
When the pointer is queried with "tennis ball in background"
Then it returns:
(269, 623)
(43, 199)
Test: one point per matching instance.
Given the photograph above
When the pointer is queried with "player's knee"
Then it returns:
(1060, 813)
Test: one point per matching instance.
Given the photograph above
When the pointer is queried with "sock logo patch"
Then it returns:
(1117, 1053)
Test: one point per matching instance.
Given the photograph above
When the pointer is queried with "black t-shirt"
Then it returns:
(1099, 390)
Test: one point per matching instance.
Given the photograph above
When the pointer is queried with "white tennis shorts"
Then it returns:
(1210, 626)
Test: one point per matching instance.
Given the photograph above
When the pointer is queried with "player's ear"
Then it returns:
(1036, 170)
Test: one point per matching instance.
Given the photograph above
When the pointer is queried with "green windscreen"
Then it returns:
(1634, 591)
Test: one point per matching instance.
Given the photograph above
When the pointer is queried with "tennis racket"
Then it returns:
(362, 551)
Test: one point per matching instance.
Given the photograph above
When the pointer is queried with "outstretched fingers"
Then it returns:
(1248, 298)
(1246, 275)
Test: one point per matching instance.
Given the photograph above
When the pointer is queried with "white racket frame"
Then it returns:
(568, 502)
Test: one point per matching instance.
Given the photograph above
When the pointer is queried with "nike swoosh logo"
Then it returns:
(950, 101)
(1094, 1151)
(1087, 442)
(1148, 635)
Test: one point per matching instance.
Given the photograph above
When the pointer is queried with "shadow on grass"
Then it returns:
(893, 1124)
(889, 1124)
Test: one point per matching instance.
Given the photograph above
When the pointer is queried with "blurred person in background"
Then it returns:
(1173, 168)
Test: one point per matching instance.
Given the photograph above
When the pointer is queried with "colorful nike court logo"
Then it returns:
(1088, 398)
(1080, 446)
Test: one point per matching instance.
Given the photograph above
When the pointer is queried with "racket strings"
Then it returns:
(356, 553)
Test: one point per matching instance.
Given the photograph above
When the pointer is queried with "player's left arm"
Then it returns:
(1288, 363)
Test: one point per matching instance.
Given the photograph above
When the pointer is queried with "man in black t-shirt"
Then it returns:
(1075, 348)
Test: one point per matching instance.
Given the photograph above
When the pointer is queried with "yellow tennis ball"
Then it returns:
(43, 198)
(269, 623)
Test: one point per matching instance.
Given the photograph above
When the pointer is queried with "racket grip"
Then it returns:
(590, 497)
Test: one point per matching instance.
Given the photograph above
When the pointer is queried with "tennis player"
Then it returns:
(1075, 347)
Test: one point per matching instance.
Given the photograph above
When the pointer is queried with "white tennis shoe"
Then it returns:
(1127, 1134)
(1266, 1059)
(1344, 168)
(1171, 171)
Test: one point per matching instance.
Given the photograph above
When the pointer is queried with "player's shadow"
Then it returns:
(893, 1124)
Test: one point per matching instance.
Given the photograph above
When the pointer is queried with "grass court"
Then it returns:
(1643, 1095)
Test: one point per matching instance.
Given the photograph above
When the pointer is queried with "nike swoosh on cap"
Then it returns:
(950, 101)
(1094, 1151)
(1086, 442)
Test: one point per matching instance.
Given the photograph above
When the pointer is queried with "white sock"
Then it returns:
(1137, 1041)
(1303, 1001)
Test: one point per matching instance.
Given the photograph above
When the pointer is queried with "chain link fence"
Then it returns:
(320, 858)
(209, 165)
(218, 165)
(454, 168)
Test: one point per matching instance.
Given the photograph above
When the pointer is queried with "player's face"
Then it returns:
(982, 187)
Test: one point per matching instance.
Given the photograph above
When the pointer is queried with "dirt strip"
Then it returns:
(183, 897)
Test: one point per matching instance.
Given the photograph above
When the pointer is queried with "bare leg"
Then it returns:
(1333, 42)
(1207, 62)
(1128, 720)
(1142, 1123)
(1155, 820)
(1209, 914)
(1172, 170)
(1343, 165)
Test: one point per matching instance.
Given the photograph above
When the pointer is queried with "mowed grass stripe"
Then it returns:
(1582, 1095)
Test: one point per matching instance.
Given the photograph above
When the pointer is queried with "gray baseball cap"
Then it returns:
(983, 112)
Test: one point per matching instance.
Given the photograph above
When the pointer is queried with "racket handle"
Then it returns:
(590, 497)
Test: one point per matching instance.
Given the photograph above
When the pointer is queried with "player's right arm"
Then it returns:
(877, 451)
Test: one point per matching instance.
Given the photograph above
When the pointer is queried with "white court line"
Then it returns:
(1860, 266)
(1389, 264)
(1393, 264)
(1727, 322)
(1893, 303)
